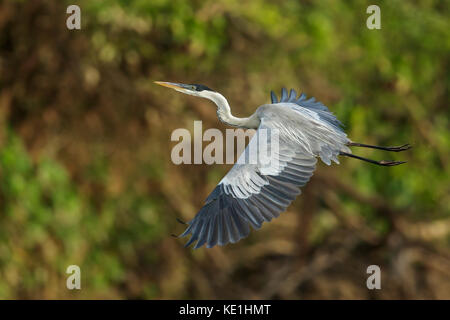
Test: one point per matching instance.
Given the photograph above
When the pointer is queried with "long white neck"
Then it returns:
(224, 112)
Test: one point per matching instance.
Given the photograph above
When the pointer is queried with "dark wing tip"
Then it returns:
(284, 94)
(219, 222)
(273, 97)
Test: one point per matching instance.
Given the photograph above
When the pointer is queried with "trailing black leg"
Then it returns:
(395, 149)
(380, 163)
(179, 221)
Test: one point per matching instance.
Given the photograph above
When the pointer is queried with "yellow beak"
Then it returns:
(169, 84)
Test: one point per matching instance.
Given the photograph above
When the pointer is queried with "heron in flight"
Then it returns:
(251, 194)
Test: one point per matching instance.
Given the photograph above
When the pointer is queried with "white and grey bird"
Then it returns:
(252, 193)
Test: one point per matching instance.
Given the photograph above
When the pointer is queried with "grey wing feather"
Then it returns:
(284, 95)
(324, 113)
(273, 97)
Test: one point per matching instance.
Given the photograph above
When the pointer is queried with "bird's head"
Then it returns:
(197, 90)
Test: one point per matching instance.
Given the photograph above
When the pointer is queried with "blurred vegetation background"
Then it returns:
(85, 170)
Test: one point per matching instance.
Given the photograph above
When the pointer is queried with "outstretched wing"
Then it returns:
(253, 191)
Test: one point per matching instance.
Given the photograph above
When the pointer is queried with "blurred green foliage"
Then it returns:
(85, 167)
(44, 216)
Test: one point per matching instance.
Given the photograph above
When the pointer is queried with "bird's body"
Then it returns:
(254, 192)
